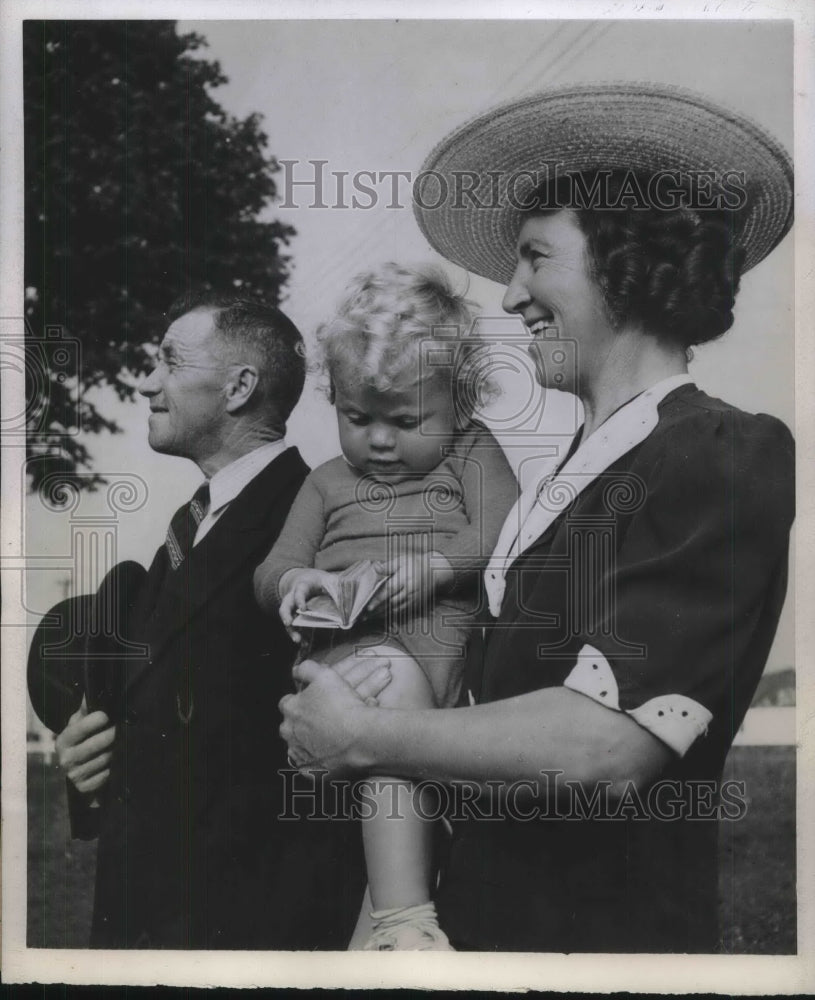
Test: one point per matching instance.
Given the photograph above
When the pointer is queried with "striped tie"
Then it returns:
(181, 533)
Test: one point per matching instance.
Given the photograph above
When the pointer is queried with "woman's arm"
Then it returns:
(696, 583)
(551, 729)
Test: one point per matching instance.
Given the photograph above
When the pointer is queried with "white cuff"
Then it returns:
(594, 677)
(673, 718)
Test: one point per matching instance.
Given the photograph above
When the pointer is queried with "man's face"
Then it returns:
(186, 390)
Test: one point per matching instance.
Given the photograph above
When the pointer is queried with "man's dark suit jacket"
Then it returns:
(191, 852)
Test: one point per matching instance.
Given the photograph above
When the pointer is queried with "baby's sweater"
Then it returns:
(342, 515)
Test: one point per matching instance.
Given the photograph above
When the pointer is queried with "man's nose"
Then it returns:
(516, 296)
(150, 384)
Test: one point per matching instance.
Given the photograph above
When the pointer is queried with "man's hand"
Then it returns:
(320, 723)
(84, 749)
(298, 585)
(412, 580)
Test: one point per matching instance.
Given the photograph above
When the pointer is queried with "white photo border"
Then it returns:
(747, 975)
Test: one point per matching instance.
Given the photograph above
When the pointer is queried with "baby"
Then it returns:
(422, 490)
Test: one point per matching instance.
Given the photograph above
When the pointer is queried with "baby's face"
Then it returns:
(398, 433)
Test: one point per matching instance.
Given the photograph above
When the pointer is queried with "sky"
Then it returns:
(378, 95)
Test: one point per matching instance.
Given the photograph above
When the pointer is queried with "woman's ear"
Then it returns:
(242, 382)
(332, 394)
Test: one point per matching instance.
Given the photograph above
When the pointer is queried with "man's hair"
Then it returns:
(674, 272)
(253, 331)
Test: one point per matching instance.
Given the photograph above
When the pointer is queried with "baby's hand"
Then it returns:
(413, 578)
(299, 586)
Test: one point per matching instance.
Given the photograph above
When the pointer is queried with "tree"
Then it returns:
(139, 187)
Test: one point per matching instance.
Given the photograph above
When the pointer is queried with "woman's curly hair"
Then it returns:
(377, 334)
(672, 272)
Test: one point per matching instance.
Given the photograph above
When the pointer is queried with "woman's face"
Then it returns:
(562, 307)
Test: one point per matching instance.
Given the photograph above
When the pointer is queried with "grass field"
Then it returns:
(757, 860)
(757, 893)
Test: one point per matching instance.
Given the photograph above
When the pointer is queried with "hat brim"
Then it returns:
(56, 661)
(468, 216)
(80, 648)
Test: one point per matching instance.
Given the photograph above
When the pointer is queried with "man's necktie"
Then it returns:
(181, 533)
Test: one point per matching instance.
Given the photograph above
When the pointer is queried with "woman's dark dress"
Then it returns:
(673, 566)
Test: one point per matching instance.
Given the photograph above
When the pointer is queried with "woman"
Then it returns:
(636, 589)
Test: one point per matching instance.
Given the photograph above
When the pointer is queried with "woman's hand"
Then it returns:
(322, 722)
(297, 586)
(412, 580)
(367, 675)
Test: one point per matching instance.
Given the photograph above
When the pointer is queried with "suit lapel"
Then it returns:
(241, 535)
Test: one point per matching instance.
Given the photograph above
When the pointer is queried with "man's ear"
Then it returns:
(243, 380)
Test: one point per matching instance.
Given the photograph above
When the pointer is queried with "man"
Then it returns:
(179, 774)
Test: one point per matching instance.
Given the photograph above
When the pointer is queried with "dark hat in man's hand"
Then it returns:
(79, 648)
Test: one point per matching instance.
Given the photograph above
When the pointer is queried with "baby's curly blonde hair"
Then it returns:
(399, 321)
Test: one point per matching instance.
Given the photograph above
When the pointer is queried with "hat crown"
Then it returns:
(644, 128)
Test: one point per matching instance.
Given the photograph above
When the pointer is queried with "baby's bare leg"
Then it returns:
(397, 840)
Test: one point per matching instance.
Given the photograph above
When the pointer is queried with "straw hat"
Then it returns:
(643, 128)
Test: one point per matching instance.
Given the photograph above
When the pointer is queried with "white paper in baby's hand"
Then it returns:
(348, 596)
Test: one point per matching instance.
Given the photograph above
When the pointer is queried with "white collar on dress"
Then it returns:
(543, 501)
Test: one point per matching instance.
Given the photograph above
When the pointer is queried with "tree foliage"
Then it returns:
(139, 187)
